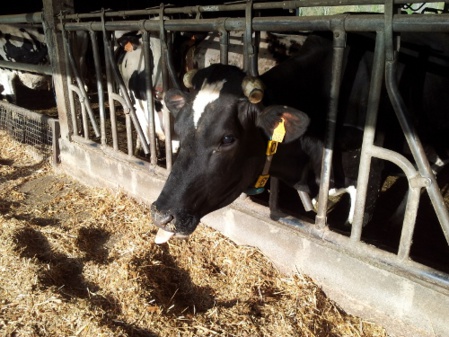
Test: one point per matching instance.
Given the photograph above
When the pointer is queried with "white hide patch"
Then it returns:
(209, 92)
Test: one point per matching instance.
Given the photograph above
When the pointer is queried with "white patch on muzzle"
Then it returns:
(209, 92)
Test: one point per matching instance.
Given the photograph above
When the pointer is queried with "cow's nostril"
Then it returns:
(160, 218)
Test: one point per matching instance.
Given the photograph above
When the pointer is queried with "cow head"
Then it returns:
(223, 129)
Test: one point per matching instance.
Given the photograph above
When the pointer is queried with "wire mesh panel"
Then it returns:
(26, 126)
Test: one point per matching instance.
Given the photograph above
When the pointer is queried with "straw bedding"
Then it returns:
(79, 261)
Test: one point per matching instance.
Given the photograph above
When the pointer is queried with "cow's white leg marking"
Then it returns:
(334, 192)
(209, 92)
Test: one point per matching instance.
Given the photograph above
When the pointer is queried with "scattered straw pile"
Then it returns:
(76, 261)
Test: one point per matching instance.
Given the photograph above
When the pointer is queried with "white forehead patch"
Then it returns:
(209, 92)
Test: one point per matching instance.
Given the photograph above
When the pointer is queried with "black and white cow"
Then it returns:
(224, 127)
(28, 45)
(130, 58)
(273, 48)
(191, 50)
(25, 46)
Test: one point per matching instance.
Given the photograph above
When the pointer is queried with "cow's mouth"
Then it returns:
(164, 236)
(176, 224)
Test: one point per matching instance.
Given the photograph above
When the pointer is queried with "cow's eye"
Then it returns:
(227, 140)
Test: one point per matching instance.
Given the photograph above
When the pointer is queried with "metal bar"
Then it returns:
(165, 113)
(68, 80)
(408, 226)
(129, 136)
(224, 46)
(35, 17)
(368, 135)
(175, 82)
(149, 69)
(248, 47)
(77, 90)
(84, 100)
(353, 22)
(416, 148)
(98, 75)
(124, 91)
(416, 182)
(55, 134)
(109, 85)
(192, 10)
(408, 129)
(40, 69)
(326, 166)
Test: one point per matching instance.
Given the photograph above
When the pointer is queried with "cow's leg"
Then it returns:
(7, 79)
(351, 190)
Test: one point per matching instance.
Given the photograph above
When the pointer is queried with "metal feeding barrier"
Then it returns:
(165, 21)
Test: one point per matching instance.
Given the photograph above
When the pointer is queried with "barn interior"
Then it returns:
(384, 231)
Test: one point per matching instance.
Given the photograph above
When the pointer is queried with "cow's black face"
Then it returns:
(222, 150)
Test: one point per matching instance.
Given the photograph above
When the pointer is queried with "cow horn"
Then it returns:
(188, 76)
(253, 89)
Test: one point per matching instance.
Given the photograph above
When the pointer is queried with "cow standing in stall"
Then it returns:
(129, 56)
(272, 49)
(191, 50)
(28, 45)
(224, 127)
(25, 46)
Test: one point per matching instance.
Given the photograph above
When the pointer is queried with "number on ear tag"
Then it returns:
(279, 132)
(262, 180)
(272, 147)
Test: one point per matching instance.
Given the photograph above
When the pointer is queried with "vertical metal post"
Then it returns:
(110, 89)
(55, 133)
(224, 45)
(84, 100)
(73, 114)
(250, 56)
(149, 69)
(368, 135)
(96, 54)
(166, 114)
(58, 63)
(411, 136)
(326, 166)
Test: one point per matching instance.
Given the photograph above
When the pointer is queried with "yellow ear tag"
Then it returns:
(279, 132)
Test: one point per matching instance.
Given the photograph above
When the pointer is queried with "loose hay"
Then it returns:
(77, 261)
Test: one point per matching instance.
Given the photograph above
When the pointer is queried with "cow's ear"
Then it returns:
(295, 121)
(175, 100)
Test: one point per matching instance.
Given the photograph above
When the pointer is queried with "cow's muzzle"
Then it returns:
(176, 224)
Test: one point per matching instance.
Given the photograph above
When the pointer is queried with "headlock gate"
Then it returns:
(100, 129)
